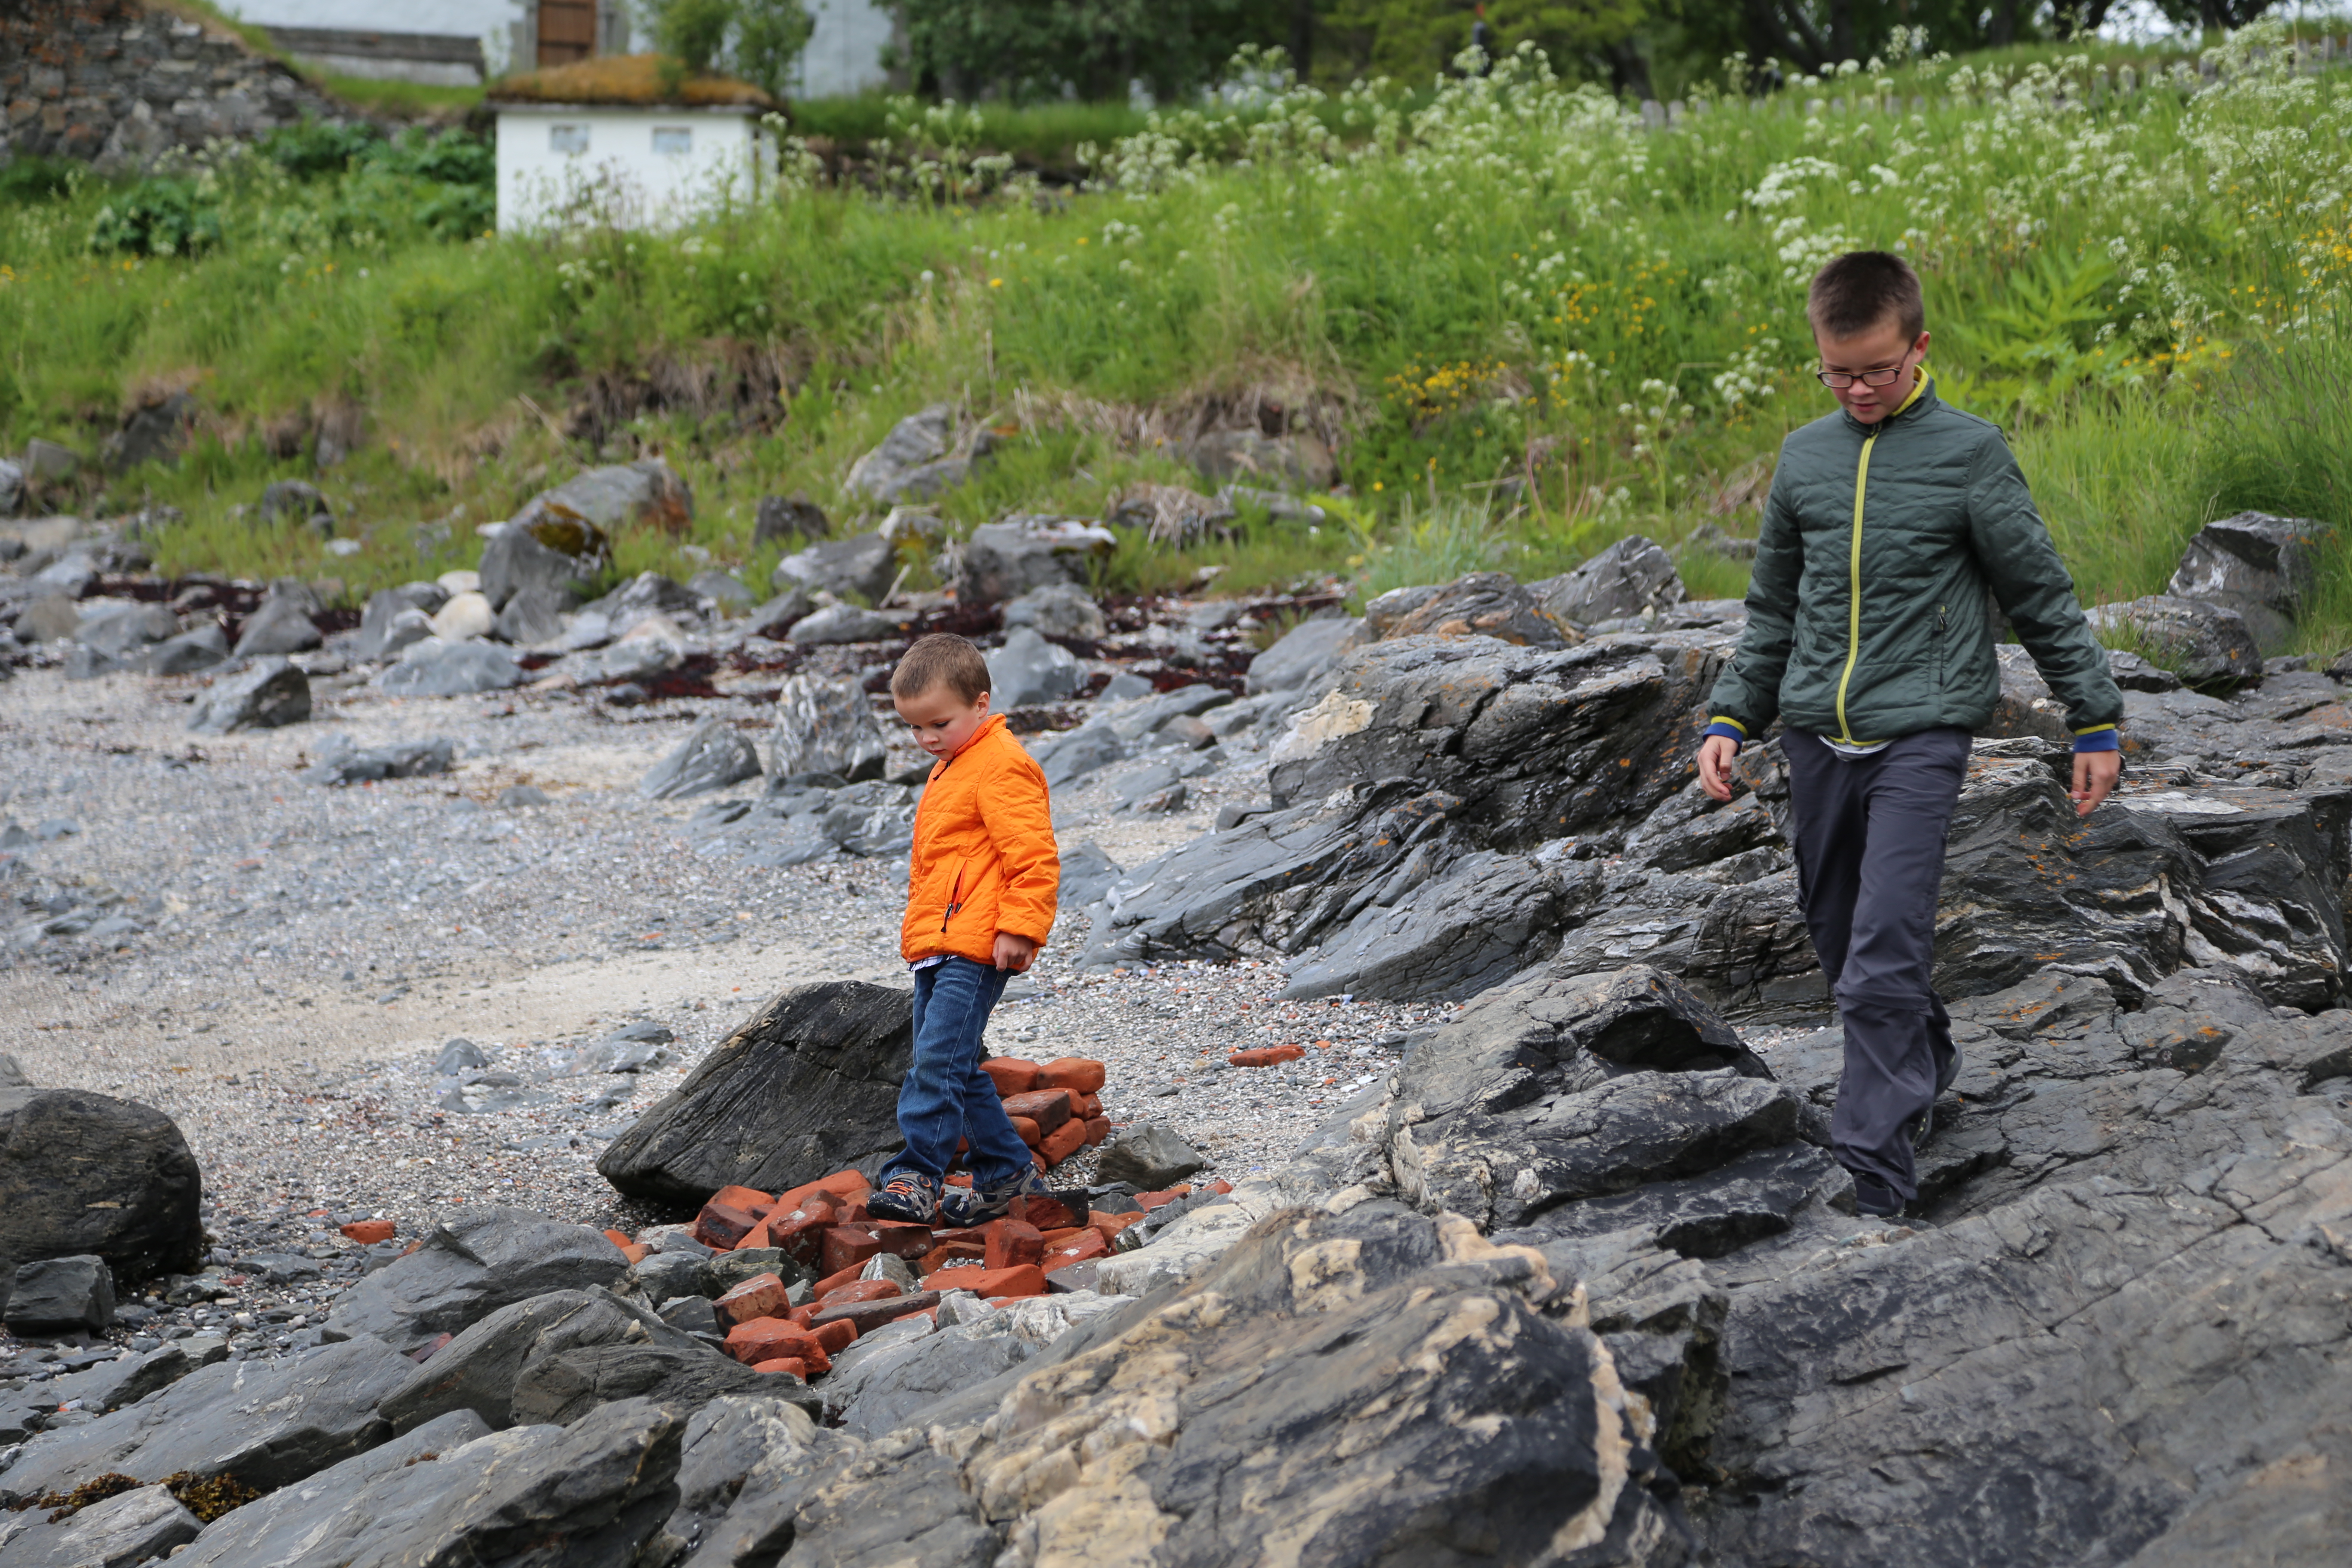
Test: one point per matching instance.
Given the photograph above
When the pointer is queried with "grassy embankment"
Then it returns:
(1501, 282)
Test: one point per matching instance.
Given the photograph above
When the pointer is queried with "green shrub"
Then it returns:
(312, 149)
(157, 216)
(31, 179)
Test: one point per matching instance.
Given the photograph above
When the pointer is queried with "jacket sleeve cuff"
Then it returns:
(2099, 738)
(1729, 729)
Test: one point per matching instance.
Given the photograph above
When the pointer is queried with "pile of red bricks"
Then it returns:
(824, 1226)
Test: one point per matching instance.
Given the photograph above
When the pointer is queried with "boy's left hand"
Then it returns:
(1015, 953)
(2095, 779)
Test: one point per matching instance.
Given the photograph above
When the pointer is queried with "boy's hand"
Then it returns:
(2095, 779)
(1714, 758)
(1015, 953)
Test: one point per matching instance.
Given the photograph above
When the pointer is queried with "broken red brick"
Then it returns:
(635, 1253)
(835, 1282)
(1108, 1226)
(1086, 1107)
(1012, 1243)
(760, 1295)
(430, 1348)
(792, 1364)
(1098, 1131)
(902, 1238)
(1063, 1141)
(1088, 1245)
(1028, 1129)
(801, 1235)
(368, 1232)
(848, 1247)
(1048, 1108)
(836, 1336)
(767, 1338)
(751, 1200)
(1147, 1201)
(1012, 1074)
(858, 1290)
(938, 1258)
(721, 1227)
(1079, 1074)
(865, 1317)
(1044, 1211)
(1266, 1055)
(991, 1284)
(1220, 1185)
(617, 1237)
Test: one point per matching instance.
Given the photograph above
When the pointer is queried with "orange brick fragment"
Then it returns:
(791, 1363)
(801, 1233)
(1079, 1074)
(767, 1338)
(902, 1238)
(1266, 1055)
(1063, 1141)
(760, 1295)
(938, 1256)
(1089, 1245)
(848, 1247)
(1098, 1131)
(756, 1238)
(991, 1284)
(1011, 1243)
(1012, 1074)
(1048, 1108)
(1147, 1201)
(1086, 1107)
(635, 1253)
(721, 1225)
(617, 1237)
(368, 1232)
(751, 1200)
(837, 1336)
(858, 1290)
(1028, 1129)
(1220, 1185)
(1044, 1211)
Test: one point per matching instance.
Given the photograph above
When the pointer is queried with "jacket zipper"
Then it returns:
(1853, 562)
(955, 901)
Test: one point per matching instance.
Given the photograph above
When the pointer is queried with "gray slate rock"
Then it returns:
(268, 1424)
(282, 625)
(825, 727)
(901, 1384)
(1483, 604)
(265, 695)
(844, 624)
(477, 1261)
(299, 504)
(781, 613)
(83, 1174)
(49, 618)
(808, 1085)
(787, 517)
(433, 669)
(341, 761)
(2207, 645)
(723, 590)
(131, 1527)
(380, 636)
(862, 565)
(1029, 671)
(908, 464)
(1021, 554)
(1087, 875)
(1058, 610)
(339, 1504)
(532, 616)
(712, 757)
(1631, 576)
(543, 548)
(61, 1296)
(2261, 566)
(187, 653)
(1150, 1157)
(632, 658)
(1304, 653)
(1086, 750)
(647, 594)
(1297, 461)
(563, 1386)
(1471, 924)
(476, 1371)
(121, 633)
(646, 492)
(12, 1073)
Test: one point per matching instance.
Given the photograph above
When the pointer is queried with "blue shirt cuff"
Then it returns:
(1729, 731)
(2106, 739)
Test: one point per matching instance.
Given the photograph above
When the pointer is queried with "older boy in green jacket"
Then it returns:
(1868, 637)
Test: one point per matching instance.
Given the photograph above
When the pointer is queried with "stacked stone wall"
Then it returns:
(116, 83)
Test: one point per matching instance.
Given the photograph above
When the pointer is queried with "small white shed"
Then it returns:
(604, 139)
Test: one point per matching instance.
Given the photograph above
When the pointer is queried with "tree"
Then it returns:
(1024, 49)
(755, 39)
(1414, 39)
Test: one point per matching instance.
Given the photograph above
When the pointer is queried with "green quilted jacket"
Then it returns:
(1866, 616)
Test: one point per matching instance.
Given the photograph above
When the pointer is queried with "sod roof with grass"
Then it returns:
(624, 81)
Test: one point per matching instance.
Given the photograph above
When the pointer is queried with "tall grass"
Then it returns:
(1507, 292)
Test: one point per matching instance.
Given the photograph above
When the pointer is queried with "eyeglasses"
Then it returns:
(1838, 379)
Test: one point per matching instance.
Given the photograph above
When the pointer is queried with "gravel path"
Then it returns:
(277, 965)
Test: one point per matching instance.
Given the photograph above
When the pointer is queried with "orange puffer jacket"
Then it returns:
(984, 859)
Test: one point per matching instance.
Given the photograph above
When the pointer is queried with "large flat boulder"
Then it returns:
(338, 1504)
(477, 1261)
(2263, 567)
(86, 1173)
(825, 727)
(268, 1424)
(808, 1085)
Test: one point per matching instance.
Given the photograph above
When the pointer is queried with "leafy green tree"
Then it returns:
(1413, 39)
(1027, 49)
(757, 40)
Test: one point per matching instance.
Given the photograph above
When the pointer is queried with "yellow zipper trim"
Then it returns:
(1853, 562)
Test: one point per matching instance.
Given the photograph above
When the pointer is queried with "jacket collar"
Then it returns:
(1922, 399)
(989, 726)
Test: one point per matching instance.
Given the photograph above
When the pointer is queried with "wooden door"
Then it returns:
(567, 31)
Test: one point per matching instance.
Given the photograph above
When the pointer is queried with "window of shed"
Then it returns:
(567, 138)
(678, 139)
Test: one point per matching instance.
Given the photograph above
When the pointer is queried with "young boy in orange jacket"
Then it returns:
(980, 903)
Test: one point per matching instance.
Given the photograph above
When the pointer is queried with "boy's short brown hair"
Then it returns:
(1856, 291)
(945, 659)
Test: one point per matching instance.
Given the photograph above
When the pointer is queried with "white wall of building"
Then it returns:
(640, 168)
(843, 57)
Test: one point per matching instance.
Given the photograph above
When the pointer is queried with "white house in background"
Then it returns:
(596, 138)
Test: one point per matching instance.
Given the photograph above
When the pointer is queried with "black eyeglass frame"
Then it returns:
(1839, 380)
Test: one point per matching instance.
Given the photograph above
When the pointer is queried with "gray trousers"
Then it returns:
(1870, 859)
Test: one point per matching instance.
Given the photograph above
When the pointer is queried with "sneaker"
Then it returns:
(1951, 1073)
(1922, 1127)
(906, 1196)
(1874, 1198)
(964, 1207)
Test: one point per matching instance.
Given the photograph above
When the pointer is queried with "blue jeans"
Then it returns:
(945, 1095)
